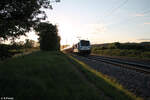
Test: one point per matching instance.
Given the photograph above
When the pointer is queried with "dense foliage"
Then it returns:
(18, 16)
(4, 51)
(48, 36)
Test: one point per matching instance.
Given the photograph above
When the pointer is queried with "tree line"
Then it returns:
(143, 46)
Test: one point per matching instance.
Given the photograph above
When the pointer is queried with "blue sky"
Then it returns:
(102, 21)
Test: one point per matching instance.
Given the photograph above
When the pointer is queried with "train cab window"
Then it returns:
(85, 43)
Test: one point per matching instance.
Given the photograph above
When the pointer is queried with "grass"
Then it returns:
(123, 53)
(51, 76)
(21, 52)
(6, 52)
(43, 76)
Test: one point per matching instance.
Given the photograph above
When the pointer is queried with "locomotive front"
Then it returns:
(84, 47)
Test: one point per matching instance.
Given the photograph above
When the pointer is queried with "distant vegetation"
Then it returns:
(48, 39)
(64, 46)
(8, 50)
(136, 50)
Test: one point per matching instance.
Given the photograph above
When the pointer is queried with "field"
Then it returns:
(8, 51)
(131, 50)
(54, 76)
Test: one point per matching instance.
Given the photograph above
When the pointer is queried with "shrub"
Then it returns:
(4, 51)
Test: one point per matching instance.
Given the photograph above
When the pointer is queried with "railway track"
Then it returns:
(143, 68)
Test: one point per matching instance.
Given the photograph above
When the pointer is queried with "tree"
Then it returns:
(48, 36)
(115, 45)
(18, 16)
(29, 43)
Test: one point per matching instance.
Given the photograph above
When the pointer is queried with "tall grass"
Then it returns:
(43, 76)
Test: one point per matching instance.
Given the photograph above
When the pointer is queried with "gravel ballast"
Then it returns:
(136, 82)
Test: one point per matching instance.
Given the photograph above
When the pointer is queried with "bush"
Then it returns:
(4, 51)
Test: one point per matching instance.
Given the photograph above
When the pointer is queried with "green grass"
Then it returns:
(123, 53)
(43, 76)
(52, 76)
(110, 87)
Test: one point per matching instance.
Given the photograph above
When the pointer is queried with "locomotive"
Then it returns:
(82, 47)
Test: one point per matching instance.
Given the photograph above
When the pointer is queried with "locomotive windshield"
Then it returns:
(85, 43)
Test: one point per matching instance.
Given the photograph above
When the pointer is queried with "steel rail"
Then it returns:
(146, 66)
(133, 66)
(138, 68)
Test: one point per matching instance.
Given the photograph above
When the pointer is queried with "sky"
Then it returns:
(101, 21)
